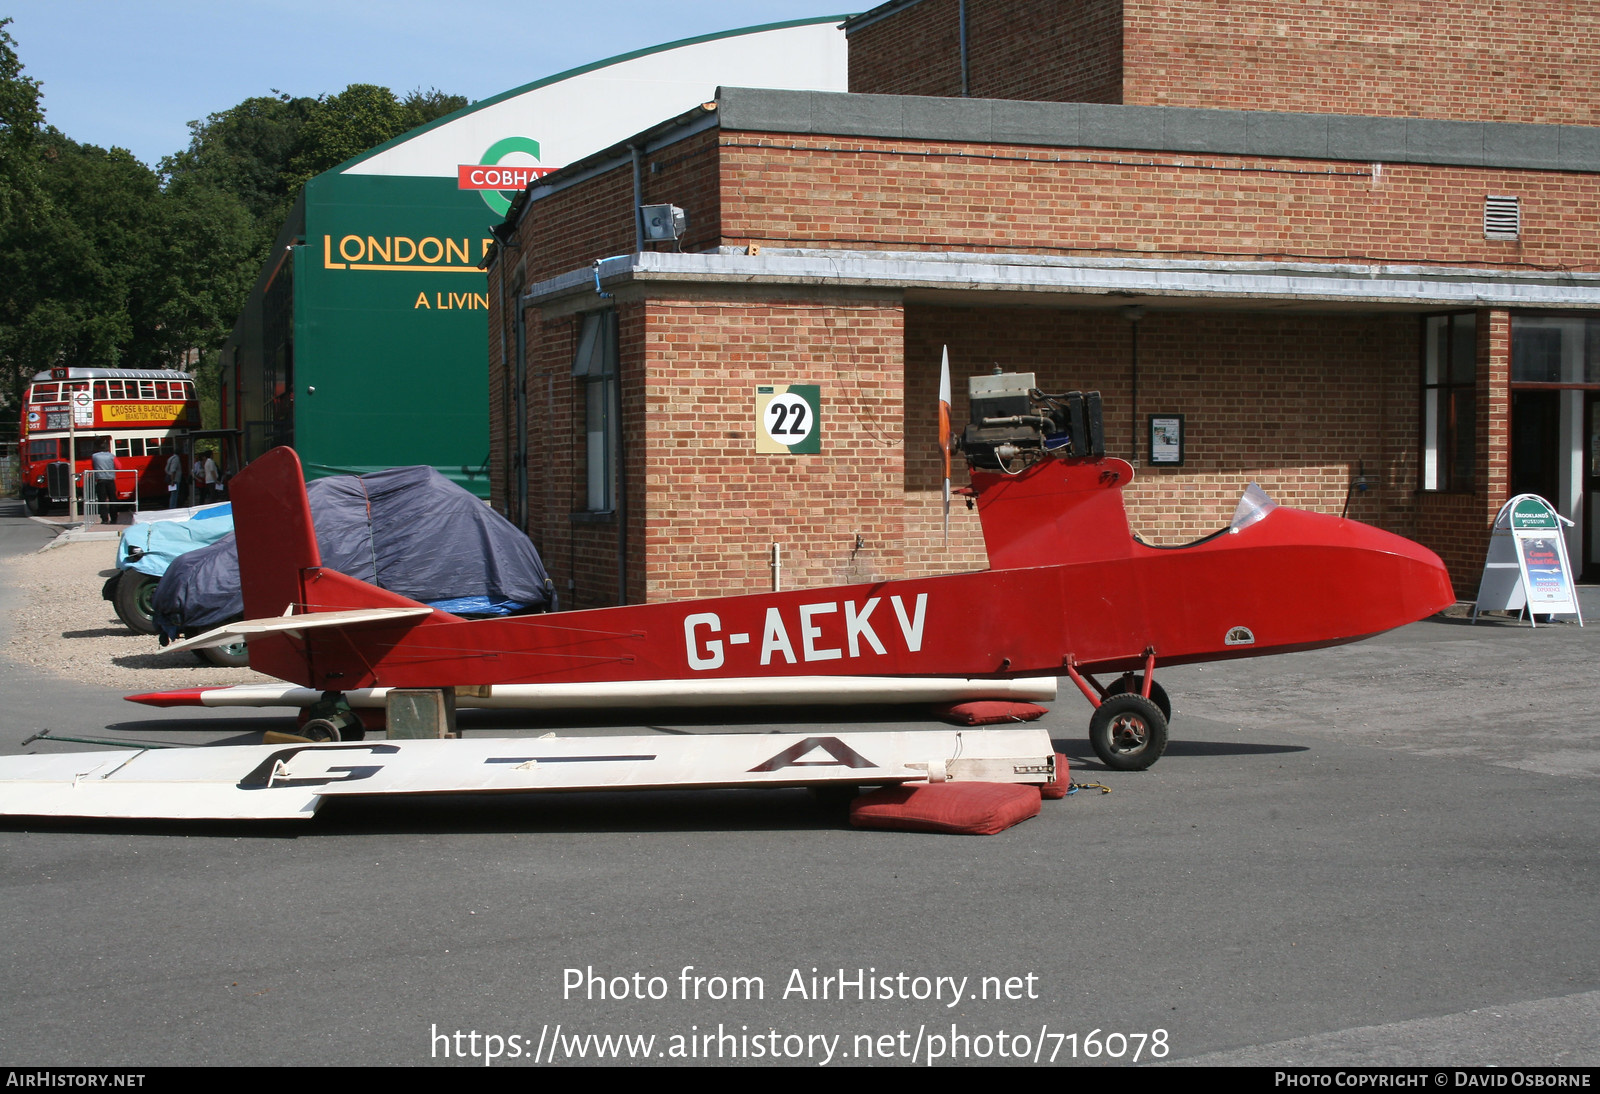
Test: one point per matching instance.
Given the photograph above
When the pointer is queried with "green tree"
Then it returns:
(264, 149)
(20, 213)
(74, 259)
(360, 117)
(204, 267)
(245, 151)
(430, 105)
(108, 263)
(20, 119)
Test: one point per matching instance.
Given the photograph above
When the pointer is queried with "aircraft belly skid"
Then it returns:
(286, 782)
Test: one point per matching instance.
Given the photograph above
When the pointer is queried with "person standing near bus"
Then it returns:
(174, 473)
(213, 478)
(105, 480)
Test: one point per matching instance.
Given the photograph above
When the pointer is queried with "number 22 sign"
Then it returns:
(788, 418)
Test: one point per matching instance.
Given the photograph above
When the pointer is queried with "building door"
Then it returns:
(1536, 444)
(1553, 429)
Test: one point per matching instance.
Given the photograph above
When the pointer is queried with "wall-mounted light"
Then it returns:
(662, 222)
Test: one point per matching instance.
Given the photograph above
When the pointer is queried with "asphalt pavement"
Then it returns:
(1383, 853)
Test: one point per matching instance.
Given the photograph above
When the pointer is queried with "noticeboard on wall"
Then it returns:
(789, 418)
(1166, 440)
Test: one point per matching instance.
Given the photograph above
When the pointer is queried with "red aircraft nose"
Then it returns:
(1421, 579)
(1346, 576)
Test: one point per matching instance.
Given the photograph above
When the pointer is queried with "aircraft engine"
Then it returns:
(1013, 424)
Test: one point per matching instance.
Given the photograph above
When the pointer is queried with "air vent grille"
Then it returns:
(1502, 217)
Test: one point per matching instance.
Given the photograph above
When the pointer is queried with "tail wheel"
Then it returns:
(320, 730)
(1128, 732)
(343, 725)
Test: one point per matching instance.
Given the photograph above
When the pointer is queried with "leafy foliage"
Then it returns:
(20, 119)
(108, 263)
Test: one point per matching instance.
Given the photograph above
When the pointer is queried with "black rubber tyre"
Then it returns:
(1128, 732)
(1158, 694)
(135, 591)
(320, 730)
(38, 504)
(235, 655)
(347, 723)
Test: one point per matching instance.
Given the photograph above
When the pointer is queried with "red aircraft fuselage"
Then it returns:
(1068, 588)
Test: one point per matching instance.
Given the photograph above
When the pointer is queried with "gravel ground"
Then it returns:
(62, 626)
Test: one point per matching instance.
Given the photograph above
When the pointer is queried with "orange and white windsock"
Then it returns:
(944, 434)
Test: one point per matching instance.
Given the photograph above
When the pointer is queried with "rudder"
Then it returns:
(274, 533)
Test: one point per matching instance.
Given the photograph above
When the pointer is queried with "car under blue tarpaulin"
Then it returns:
(409, 530)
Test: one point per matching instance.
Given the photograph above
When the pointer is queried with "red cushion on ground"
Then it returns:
(979, 809)
(987, 712)
(1063, 783)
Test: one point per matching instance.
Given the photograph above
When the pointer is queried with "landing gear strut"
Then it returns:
(1128, 729)
(331, 719)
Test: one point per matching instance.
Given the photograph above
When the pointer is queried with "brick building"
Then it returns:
(1344, 241)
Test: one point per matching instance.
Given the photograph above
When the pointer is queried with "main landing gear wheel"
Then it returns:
(1158, 694)
(1128, 732)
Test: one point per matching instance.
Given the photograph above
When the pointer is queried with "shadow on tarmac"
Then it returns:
(580, 812)
(1080, 754)
(101, 632)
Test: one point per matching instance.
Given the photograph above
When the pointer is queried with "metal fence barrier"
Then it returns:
(93, 508)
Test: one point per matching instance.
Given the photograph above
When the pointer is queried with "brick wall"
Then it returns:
(1413, 58)
(714, 505)
(1298, 403)
(911, 195)
(1323, 394)
(1464, 59)
(594, 219)
(579, 552)
(1045, 52)
(916, 51)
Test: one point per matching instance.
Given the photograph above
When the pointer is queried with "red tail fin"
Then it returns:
(1054, 512)
(280, 567)
(276, 540)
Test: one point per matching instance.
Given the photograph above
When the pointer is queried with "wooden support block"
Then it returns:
(414, 713)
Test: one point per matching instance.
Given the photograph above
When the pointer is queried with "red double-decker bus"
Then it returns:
(141, 412)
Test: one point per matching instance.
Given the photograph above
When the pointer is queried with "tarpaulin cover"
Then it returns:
(409, 530)
(151, 548)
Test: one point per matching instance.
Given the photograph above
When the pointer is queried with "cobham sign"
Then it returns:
(475, 176)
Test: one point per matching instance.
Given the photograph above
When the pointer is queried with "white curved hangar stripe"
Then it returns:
(583, 113)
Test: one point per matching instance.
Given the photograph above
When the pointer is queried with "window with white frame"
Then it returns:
(1449, 401)
(595, 365)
